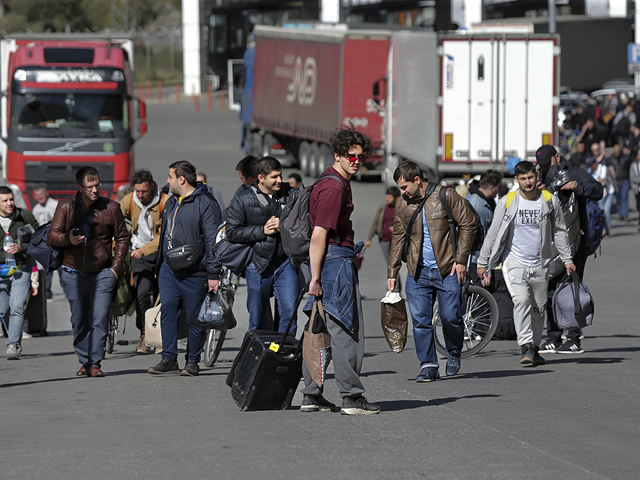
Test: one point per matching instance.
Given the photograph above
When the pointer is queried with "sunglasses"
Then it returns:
(357, 158)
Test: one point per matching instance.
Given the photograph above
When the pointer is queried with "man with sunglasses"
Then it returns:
(334, 277)
(84, 226)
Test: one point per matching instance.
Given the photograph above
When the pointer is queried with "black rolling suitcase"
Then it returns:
(267, 370)
(35, 311)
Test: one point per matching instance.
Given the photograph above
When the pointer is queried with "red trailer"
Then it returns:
(303, 84)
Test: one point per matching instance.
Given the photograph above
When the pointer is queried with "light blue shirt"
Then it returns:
(428, 257)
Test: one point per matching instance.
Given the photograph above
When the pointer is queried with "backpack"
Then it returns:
(295, 220)
(596, 225)
(39, 249)
(572, 303)
(479, 238)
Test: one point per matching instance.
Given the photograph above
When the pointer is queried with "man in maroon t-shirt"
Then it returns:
(331, 255)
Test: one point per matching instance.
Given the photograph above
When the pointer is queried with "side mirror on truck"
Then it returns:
(142, 117)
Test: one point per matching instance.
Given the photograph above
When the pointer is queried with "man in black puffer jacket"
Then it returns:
(191, 217)
(253, 218)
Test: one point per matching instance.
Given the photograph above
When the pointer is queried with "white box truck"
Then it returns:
(459, 104)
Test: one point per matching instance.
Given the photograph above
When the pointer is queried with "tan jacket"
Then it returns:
(131, 211)
(438, 231)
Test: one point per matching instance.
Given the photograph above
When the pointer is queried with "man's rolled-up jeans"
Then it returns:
(528, 288)
(421, 294)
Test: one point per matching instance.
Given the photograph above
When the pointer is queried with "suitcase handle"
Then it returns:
(295, 313)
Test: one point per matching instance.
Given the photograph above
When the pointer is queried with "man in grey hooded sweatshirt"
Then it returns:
(143, 209)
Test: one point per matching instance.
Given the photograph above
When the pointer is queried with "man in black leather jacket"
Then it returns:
(190, 217)
(585, 187)
(253, 218)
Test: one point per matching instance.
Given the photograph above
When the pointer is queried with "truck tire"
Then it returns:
(325, 159)
(314, 159)
(303, 157)
(267, 141)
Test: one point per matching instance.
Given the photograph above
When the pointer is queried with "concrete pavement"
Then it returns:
(575, 418)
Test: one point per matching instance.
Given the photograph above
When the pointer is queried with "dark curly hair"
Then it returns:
(346, 137)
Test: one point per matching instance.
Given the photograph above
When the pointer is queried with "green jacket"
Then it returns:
(376, 226)
(19, 217)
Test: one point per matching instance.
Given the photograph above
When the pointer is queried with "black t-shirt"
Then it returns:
(590, 137)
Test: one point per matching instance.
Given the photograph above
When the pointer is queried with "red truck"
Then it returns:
(300, 85)
(68, 102)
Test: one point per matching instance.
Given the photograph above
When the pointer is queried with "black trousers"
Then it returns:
(145, 286)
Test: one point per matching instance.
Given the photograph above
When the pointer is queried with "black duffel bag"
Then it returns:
(184, 257)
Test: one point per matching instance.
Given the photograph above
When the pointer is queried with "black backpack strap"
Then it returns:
(407, 234)
(452, 224)
(336, 235)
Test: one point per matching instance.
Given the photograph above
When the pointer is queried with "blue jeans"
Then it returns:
(174, 289)
(280, 281)
(13, 295)
(622, 198)
(421, 293)
(90, 302)
(605, 205)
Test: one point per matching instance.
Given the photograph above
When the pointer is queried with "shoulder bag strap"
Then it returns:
(407, 234)
(452, 224)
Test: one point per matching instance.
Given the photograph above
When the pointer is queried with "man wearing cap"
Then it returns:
(382, 225)
(585, 187)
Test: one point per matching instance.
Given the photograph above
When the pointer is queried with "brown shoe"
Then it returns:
(82, 372)
(142, 348)
(96, 372)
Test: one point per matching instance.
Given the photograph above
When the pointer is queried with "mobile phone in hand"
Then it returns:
(76, 231)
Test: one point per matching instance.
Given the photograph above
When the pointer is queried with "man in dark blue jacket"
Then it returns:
(191, 217)
(253, 218)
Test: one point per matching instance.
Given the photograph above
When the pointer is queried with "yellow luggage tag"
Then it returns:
(274, 346)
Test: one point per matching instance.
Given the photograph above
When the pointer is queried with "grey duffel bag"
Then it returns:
(572, 303)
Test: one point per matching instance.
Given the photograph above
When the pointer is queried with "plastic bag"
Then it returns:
(394, 321)
(212, 312)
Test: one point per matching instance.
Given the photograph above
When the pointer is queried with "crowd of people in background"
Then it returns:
(594, 128)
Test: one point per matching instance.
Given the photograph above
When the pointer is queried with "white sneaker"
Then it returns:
(14, 351)
(26, 335)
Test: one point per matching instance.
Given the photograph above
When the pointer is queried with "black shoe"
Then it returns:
(550, 346)
(527, 354)
(165, 366)
(453, 365)
(428, 374)
(316, 404)
(358, 406)
(570, 346)
(190, 370)
(537, 359)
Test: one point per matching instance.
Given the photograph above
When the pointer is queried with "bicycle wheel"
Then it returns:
(111, 335)
(213, 345)
(480, 320)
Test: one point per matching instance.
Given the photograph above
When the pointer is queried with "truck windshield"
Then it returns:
(69, 111)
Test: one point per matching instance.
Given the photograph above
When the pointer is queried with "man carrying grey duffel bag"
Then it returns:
(572, 303)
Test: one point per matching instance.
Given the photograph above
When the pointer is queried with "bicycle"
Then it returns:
(480, 320)
(112, 334)
(215, 337)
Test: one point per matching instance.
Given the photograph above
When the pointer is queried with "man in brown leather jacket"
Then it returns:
(432, 268)
(84, 226)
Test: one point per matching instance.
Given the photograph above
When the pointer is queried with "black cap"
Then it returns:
(545, 153)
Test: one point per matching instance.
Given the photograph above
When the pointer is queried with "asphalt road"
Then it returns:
(575, 418)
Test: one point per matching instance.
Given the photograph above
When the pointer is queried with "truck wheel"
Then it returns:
(325, 159)
(314, 158)
(267, 142)
(303, 157)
